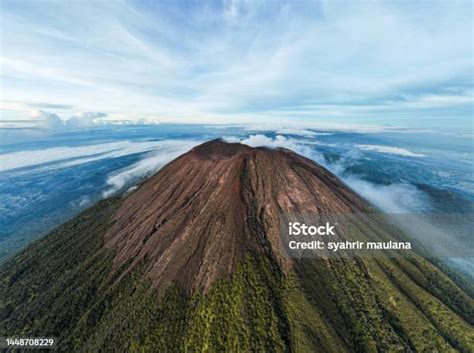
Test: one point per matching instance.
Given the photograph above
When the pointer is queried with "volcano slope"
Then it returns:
(192, 261)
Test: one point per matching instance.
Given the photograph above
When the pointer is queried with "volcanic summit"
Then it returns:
(196, 219)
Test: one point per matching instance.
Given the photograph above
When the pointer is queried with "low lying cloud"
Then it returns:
(263, 140)
(319, 128)
(390, 150)
(298, 132)
(152, 162)
(62, 157)
(392, 198)
(292, 129)
(280, 141)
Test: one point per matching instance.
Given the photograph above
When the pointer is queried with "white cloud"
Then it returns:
(84, 120)
(168, 151)
(50, 121)
(263, 140)
(285, 129)
(280, 141)
(390, 150)
(231, 139)
(392, 198)
(147, 121)
(270, 60)
(61, 157)
(53, 122)
(322, 127)
(299, 132)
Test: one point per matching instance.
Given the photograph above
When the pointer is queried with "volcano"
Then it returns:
(201, 215)
(193, 260)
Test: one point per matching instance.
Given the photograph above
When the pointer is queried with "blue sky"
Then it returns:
(401, 63)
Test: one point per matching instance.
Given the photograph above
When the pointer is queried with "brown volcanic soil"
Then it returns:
(196, 219)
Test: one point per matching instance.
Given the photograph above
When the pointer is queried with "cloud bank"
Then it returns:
(62, 157)
(53, 122)
(389, 150)
(167, 151)
(393, 198)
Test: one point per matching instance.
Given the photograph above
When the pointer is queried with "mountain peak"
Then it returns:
(219, 147)
(196, 219)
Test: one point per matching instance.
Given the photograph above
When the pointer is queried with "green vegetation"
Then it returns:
(65, 286)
